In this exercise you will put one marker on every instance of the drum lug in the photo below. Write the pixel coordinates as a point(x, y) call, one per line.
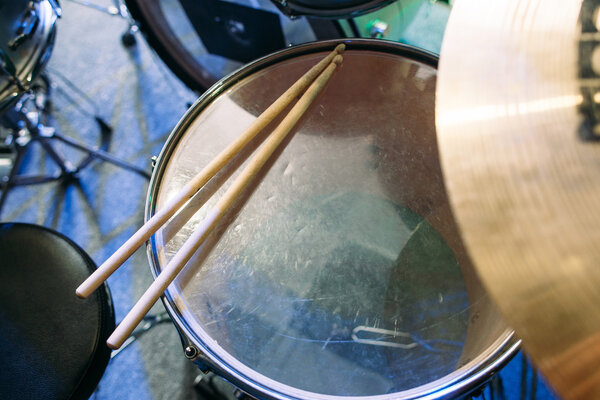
point(153, 162)
point(193, 354)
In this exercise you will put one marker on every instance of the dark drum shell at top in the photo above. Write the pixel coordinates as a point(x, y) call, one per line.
point(329, 8)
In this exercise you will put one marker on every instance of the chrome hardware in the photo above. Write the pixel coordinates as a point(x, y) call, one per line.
point(190, 352)
point(377, 28)
point(56, 7)
point(28, 25)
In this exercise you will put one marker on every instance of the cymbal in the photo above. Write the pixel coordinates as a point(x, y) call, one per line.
point(523, 181)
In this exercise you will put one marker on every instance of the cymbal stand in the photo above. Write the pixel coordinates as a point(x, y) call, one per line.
point(23, 122)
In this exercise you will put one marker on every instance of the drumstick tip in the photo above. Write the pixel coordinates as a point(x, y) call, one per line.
point(340, 48)
point(337, 59)
point(111, 345)
point(81, 293)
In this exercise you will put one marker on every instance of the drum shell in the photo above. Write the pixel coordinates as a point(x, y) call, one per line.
point(474, 374)
point(329, 9)
point(30, 57)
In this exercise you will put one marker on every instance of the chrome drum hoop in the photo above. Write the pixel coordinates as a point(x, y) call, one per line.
point(335, 9)
point(471, 377)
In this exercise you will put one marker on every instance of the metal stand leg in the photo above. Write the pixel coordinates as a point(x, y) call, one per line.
point(97, 153)
point(43, 134)
point(526, 367)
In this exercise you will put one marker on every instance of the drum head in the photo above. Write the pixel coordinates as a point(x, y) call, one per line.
point(340, 273)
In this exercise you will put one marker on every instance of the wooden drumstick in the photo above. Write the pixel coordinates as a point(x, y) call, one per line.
point(174, 204)
point(186, 251)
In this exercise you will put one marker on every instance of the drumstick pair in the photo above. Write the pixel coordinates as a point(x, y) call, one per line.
point(316, 77)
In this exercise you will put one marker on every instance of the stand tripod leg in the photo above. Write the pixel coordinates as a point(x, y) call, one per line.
point(95, 153)
point(65, 166)
point(41, 134)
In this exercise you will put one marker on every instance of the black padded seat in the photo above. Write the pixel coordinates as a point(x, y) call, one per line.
point(52, 343)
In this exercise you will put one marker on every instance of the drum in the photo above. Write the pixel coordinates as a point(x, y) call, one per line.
point(340, 273)
point(27, 32)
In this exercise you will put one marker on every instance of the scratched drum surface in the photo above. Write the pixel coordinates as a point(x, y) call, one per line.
point(340, 271)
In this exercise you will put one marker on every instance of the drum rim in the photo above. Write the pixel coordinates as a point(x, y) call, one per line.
point(293, 9)
point(468, 380)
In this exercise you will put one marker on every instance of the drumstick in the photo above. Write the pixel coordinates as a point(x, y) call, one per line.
point(168, 274)
point(167, 211)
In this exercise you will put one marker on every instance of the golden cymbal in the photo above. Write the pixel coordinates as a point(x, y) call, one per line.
point(523, 183)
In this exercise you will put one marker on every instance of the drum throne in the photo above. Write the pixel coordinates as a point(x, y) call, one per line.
point(51, 342)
